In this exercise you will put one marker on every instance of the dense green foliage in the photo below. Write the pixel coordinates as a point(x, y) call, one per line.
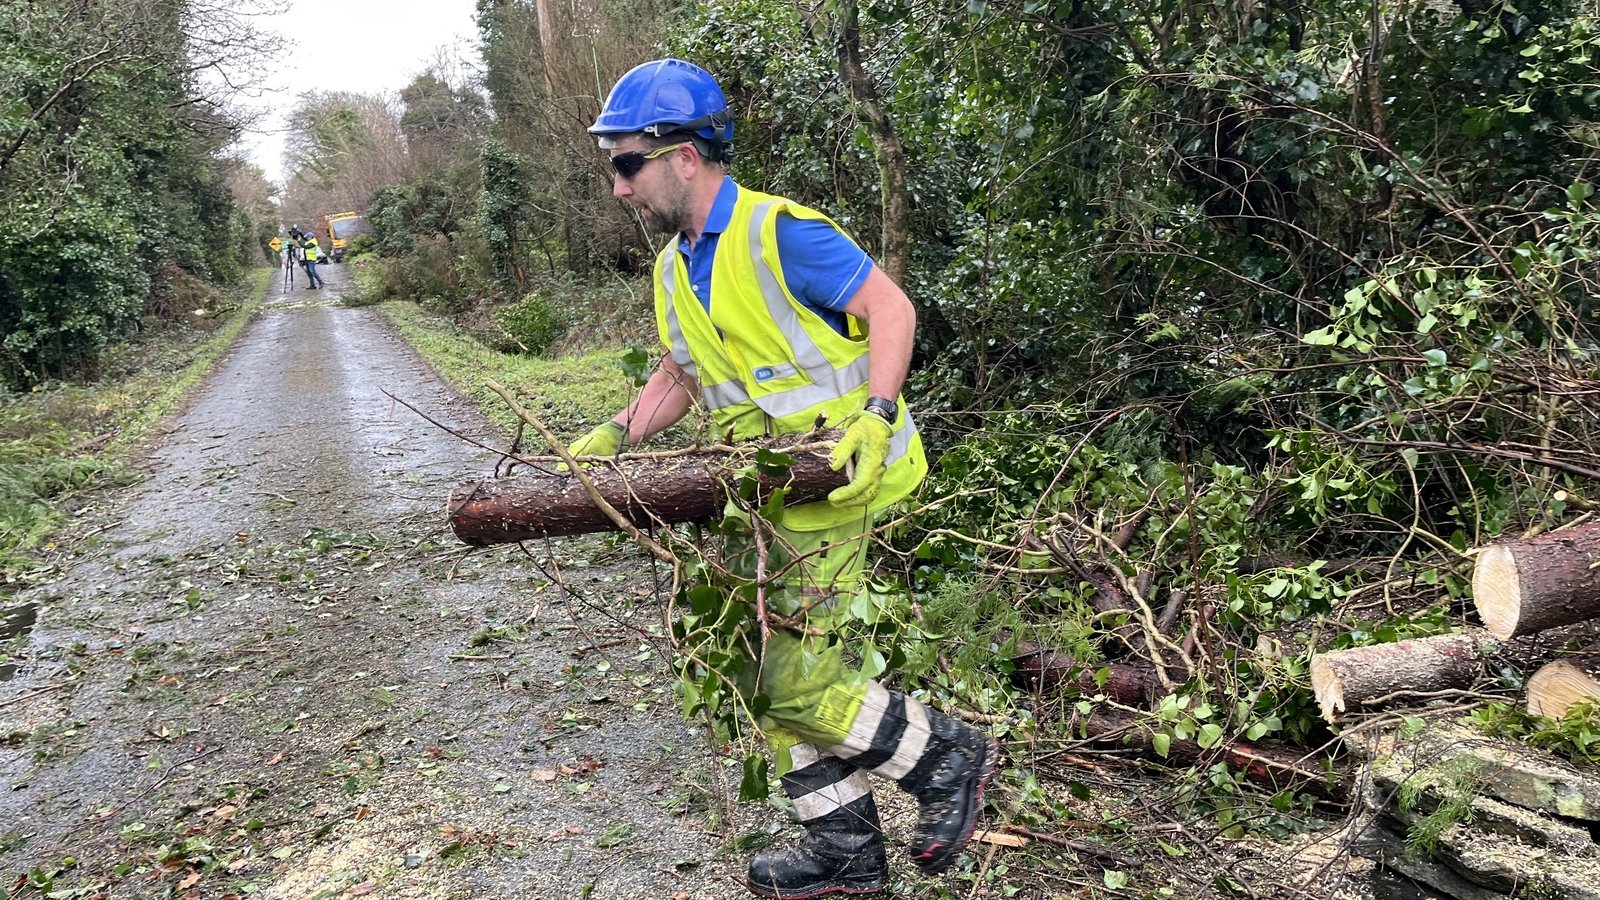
point(1260, 315)
point(114, 198)
point(1266, 283)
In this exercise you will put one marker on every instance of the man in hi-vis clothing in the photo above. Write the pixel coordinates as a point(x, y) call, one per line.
point(762, 305)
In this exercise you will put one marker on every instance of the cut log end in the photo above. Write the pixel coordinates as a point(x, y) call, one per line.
point(1329, 691)
point(1497, 591)
point(1557, 686)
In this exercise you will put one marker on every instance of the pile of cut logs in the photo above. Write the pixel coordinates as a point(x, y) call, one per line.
point(1471, 817)
point(1539, 601)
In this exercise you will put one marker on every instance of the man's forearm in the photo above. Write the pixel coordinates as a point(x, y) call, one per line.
point(665, 399)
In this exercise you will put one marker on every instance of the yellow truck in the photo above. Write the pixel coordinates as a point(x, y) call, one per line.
point(339, 228)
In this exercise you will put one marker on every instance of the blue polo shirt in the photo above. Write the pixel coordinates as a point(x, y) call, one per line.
point(822, 266)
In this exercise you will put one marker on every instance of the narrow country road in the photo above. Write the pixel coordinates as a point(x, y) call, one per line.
point(274, 673)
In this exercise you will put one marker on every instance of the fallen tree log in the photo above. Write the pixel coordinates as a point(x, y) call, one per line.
point(1372, 677)
point(666, 488)
point(1558, 685)
point(1044, 671)
point(1520, 587)
point(1271, 766)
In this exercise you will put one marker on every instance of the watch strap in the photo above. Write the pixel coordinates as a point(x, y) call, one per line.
point(888, 410)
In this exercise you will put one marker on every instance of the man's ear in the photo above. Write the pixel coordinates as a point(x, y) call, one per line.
point(687, 158)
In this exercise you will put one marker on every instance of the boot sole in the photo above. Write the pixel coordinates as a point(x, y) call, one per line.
point(937, 858)
point(815, 891)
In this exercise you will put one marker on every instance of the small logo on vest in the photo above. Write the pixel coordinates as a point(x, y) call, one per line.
point(767, 373)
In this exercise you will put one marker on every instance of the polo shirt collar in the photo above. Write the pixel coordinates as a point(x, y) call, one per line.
point(720, 215)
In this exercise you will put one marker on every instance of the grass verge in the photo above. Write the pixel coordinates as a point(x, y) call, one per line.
point(569, 394)
point(58, 440)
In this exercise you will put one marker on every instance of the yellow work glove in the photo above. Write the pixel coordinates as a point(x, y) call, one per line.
point(866, 440)
point(605, 440)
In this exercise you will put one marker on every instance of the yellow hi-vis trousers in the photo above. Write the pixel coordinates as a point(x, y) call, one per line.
point(814, 692)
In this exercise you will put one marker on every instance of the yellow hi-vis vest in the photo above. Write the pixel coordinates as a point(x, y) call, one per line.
point(764, 362)
point(313, 250)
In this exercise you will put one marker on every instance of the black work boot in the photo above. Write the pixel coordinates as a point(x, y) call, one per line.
point(842, 852)
point(948, 781)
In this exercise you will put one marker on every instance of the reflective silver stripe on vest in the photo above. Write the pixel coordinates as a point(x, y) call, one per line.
point(680, 347)
point(724, 394)
point(900, 441)
point(806, 352)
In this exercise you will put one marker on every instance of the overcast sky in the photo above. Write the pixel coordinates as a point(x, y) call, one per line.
point(366, 46)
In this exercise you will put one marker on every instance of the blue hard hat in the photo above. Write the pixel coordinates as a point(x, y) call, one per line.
point(664, 96)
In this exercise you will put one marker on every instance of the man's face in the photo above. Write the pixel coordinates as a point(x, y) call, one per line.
point(658, 191)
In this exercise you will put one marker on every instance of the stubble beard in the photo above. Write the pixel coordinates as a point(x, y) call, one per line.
point(672, 215)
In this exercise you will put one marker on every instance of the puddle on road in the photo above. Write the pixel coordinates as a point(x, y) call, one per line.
point(15, 622)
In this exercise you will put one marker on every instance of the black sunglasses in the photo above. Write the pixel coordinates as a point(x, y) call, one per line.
point(628, 165)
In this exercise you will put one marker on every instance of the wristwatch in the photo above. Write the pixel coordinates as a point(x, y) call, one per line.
point(888, 410)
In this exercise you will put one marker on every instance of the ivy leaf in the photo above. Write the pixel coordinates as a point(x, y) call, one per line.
point(1210, 733)
point(1435, 357)
point(754, 785)
point(636, 365)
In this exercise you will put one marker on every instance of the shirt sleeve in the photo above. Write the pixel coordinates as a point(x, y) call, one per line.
point(822, 266)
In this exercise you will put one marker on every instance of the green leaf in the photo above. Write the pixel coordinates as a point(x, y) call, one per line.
point(1435, 357)
point(754, 785)
point(1210, 733)
point(1162, 744)
point(636, 365)
point(1322, 337)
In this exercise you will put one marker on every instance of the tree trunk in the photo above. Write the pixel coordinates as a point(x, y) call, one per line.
point(895, 254)
point(662, 488)
point(1372, 677)
point(1046, 671)
point(547, 46)
point(1265, 765)
point(1558, 685)
point(1368, 676)
point(1520, 587)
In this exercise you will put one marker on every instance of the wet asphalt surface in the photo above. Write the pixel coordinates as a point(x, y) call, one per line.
point(268, 670)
